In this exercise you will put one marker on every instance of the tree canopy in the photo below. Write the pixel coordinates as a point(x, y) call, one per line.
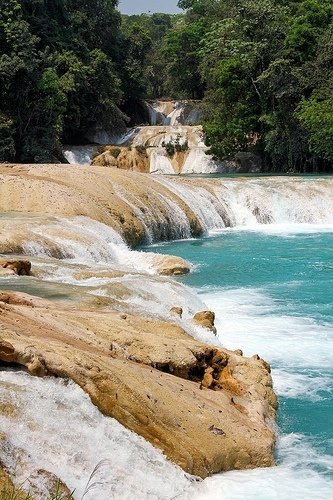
point(263, 70)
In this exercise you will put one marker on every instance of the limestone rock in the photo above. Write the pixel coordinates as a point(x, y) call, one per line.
point(134, 158)
point(106, 159)
point(111, 196)
point(170, 265)
point(153, 378)
point(125, 158)
point(20, 267)
point(206, 319)
point(177, 310)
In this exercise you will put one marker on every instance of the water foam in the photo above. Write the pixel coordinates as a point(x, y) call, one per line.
point(295, 479)
point(259, 326)
point(69, 437)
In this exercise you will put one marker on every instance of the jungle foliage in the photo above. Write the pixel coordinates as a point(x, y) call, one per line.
point(266, 72)
point(263, 70)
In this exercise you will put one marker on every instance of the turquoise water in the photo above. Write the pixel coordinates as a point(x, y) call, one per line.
point(272, 292)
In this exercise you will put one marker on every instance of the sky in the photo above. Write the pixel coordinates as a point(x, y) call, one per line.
point(139, 6)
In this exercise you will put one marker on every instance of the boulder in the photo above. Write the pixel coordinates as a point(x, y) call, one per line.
point(170, 265)
point(206, 319)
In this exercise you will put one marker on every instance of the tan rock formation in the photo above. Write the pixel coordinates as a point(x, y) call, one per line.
point(152, 377)
point(177, 310)
point(206, 319)
point(126, 158)
point(20, 267)
point(135, 159)
point(169, 265)
point(105, 159)
point(117, 198)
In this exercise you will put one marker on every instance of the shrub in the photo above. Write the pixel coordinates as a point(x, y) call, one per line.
point(115, 152)
point(141, 149)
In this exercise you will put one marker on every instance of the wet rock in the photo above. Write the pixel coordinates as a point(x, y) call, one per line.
point(172, 266)
point(206, 319)
point(45, 484)
point(177, 310)
point(159, 359)
point(20, 267)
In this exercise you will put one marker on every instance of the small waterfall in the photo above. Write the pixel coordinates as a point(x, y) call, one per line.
point(279, 200)
point(83, 155)
point(193, 157)
point(167, 208)
point(79, 238)
point(102, 137)
point(256, 202)
point(80, 155)
point(173, 113)
point(163, 219)
point(173, 123)
point(69, 437)
point(208, 206)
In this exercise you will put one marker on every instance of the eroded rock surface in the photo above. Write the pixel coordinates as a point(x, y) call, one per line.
point(125, 201)
point(170, 265)
point(12, 266)
point(206, 319)
point(208, 409)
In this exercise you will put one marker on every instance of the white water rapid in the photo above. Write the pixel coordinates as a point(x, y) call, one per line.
point(246, 202)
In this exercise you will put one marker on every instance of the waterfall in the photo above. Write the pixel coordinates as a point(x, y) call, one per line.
point(246, 202)
point(79, 155)
point(159, 208)
point(76, 441)
point(162, 220)
point(170, 123)
point(173, 113)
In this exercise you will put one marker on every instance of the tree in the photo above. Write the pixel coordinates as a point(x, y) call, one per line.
point(58, 80)
point(181, 52)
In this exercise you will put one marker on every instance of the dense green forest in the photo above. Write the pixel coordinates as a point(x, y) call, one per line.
point(262, 70)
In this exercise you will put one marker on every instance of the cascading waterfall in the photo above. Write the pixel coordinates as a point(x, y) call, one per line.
point(247, 202)
point(173, 122)
point(161, 222)
point(78, 256)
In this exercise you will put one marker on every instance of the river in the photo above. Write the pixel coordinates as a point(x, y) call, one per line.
point(264, 265)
